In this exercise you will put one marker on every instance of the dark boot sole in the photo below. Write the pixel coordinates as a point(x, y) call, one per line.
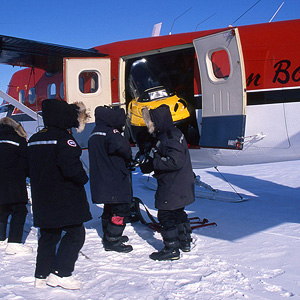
point(122, 251)
point(157, 259)
point(185, 250)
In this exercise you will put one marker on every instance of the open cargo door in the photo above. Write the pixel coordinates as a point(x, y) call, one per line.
point(87, 80)
point(223, 84)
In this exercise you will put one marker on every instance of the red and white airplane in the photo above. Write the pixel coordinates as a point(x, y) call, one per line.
point(241, 86)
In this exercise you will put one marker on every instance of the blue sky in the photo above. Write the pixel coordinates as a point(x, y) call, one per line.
point(85, 24)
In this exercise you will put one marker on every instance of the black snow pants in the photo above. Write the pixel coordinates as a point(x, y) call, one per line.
point(114, 219)
point(118, 209)
point(18, 212)
point(169, 219)
point(61, 261)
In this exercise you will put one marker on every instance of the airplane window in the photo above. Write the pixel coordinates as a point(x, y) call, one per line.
point(61, 91)
point(22, 96)
point(51, 91)
point(31, 96)
point(89, 82)
point(220, 64)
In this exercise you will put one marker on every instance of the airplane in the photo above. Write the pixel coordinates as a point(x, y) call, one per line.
point(236, 90)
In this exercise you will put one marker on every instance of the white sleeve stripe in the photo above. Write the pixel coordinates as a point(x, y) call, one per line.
point(98, 133)
point(42, 143)
point(181, 139)
point(9, 142)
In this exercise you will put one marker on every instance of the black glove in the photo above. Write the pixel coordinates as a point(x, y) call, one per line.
point(145, 162)
point(140, 158)
point(147, 166)
point(131, 165)
point(152, 152)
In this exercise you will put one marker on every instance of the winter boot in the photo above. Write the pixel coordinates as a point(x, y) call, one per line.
point(3, 243)
point(184, 235)
point(113, 239)
point(171, 249)
point(69, 283)
point(105, 221)
point(40, 283)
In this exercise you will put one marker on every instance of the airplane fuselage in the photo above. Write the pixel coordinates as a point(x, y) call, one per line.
point(243, 85)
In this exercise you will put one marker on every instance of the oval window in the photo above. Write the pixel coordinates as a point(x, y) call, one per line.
point(22, 96)
point(51, 91)
point(62, 91)
point(31, 96)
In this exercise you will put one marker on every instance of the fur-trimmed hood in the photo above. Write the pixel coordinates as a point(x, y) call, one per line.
point(157, 120)
point(83, 115)
point(15, 125)
point(60, 114)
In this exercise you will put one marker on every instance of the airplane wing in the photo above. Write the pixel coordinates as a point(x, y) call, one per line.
point(49, 57)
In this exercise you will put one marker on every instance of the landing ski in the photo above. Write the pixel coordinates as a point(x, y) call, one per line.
point(218, 195)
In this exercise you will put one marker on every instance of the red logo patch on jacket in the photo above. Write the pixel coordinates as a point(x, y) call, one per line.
point(71, 143)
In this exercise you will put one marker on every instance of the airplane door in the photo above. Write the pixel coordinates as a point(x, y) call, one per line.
point(88, 80)
point(223, 84)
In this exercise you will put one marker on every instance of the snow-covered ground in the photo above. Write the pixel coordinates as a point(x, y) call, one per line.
point(251, 254)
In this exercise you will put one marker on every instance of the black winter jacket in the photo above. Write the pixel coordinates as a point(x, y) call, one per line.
point(56, 173)
point(172, 164)
point(108, 153)
point(13, 163)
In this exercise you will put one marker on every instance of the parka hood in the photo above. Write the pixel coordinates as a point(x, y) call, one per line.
point(60, 114)
point(113, 117)
point(158, 120)
point(15, 125)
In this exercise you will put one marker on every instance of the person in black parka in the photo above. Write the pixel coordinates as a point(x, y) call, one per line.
point(13, 191)
point(175, 178)
point(59, 200)
point(109, 152)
